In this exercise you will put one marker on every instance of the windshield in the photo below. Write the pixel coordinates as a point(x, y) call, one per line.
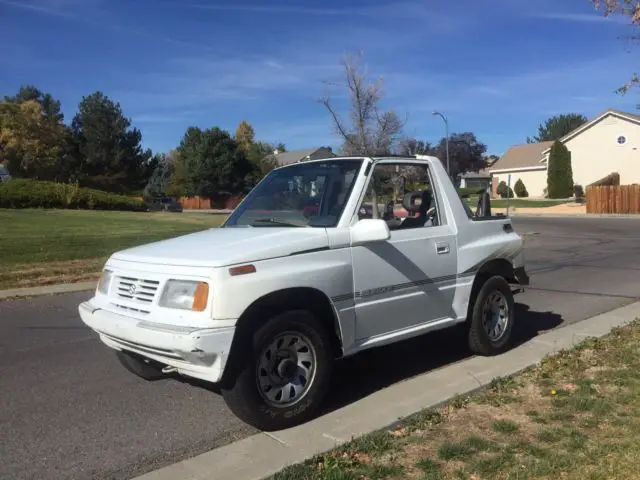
point(311, 194)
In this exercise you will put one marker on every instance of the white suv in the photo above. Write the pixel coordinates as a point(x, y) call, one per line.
point(300, 275)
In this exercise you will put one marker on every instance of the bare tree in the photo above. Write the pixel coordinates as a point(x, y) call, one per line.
point(369, 130)
point(631, 10)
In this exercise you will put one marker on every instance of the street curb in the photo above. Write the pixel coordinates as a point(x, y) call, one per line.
point(264, 454)
point(47, 290)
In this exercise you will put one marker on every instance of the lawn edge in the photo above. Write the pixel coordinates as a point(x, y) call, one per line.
point(262, 455)
point(29, 292)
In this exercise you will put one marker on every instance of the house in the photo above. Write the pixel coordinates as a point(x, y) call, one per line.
point(4, 174)
point(608, 143)
point(481, 179)
point(295, 156)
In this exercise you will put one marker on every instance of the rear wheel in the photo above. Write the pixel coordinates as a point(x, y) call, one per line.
point(492, 318)
point(283, 376)
point(142, 367)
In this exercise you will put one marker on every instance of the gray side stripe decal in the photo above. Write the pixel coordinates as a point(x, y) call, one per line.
point(508, 253)
point(397, 287)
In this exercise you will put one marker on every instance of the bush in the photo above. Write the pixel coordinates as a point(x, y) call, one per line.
point(610, 180)
point(559, 172)
point(578, 193)
point(504, 190)
point(520, 189)
point(22, 193)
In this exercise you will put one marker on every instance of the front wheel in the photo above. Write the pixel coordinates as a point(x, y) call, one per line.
point(284, 375)
point(492, 318)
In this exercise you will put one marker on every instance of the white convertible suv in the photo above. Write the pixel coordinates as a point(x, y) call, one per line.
point(307, 269)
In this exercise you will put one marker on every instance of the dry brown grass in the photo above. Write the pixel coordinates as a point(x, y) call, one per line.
point(574, 416)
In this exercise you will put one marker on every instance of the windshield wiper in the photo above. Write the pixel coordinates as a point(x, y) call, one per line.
point(273, 221)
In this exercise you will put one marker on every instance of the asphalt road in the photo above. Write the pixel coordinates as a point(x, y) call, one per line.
point(69, 410)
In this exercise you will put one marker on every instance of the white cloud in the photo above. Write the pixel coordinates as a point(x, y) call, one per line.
point(577, 17)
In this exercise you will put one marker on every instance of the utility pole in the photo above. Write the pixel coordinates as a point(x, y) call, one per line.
point(446, 130)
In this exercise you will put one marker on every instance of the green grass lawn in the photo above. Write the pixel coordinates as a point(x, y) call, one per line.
point(576, 415)
point(40, 247)
point(519, 203)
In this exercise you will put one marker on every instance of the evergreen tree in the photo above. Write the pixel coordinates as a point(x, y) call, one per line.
point(559, 172)
point(520, 189)
point(109, 150)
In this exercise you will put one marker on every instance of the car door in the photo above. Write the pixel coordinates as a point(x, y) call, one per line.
point(406, 281)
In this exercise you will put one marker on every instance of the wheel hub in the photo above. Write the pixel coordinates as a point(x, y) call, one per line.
point(496, 316)
point(286, 369)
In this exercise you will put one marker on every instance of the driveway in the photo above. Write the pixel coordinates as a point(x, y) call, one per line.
point(68, 409)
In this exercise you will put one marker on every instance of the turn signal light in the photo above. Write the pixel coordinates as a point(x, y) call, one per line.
point(200, 297)
point(242, 270)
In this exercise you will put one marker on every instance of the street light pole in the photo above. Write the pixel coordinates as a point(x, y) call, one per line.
point(446, 129)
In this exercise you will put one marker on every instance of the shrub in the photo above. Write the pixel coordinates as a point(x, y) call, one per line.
point(559, 172)
point(504, 190)
point(23, 193)
point(609, 180)
point(520, 189)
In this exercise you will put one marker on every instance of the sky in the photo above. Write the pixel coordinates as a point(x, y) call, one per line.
point(497, 68)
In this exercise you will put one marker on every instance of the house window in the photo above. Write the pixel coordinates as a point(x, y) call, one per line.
point(622, 140)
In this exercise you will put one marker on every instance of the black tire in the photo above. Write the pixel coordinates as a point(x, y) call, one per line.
point(140, 366)
point(241, 393)
point(480, 342)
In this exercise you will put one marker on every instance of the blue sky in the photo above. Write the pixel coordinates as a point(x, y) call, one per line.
point(497, 68)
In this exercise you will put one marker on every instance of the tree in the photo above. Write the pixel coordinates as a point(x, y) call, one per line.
point(520, 189)
point(559, 172)
point(51, 108)
point(177, 185)
point(557, 127)
point(33, 144)
point(214, 162)
point(158, 183)
point(631, 10)
point(411, 146)
point(466, 153)
point(245, 136)
point(504, 190)
point(262, 159)
point(370, 130)
point(109, 150)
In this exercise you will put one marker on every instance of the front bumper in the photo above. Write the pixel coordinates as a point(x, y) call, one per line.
point(194, 352)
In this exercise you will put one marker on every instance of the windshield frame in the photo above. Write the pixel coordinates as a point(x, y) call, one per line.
point(231, 220)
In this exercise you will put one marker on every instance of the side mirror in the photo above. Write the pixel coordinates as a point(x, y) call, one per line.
point(369, 230)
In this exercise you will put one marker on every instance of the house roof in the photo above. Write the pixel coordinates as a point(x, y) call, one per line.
point(521, 156)
point(611, 111)
point(287, 158)
point(481, 174)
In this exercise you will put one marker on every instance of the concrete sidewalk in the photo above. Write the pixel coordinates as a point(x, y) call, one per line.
point(262, 455)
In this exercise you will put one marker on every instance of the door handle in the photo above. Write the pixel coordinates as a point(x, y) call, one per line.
point(442, 248)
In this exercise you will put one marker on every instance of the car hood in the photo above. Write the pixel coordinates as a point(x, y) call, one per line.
point(227, 246)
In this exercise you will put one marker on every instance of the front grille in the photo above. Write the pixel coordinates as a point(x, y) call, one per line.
point(136, 289)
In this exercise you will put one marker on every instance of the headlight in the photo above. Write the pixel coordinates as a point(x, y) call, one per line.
point(105, 281)
point(185, 295)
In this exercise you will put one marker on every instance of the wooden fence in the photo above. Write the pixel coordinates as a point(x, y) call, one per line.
point(195, 203)
point(204, 203)
point(616, 199)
